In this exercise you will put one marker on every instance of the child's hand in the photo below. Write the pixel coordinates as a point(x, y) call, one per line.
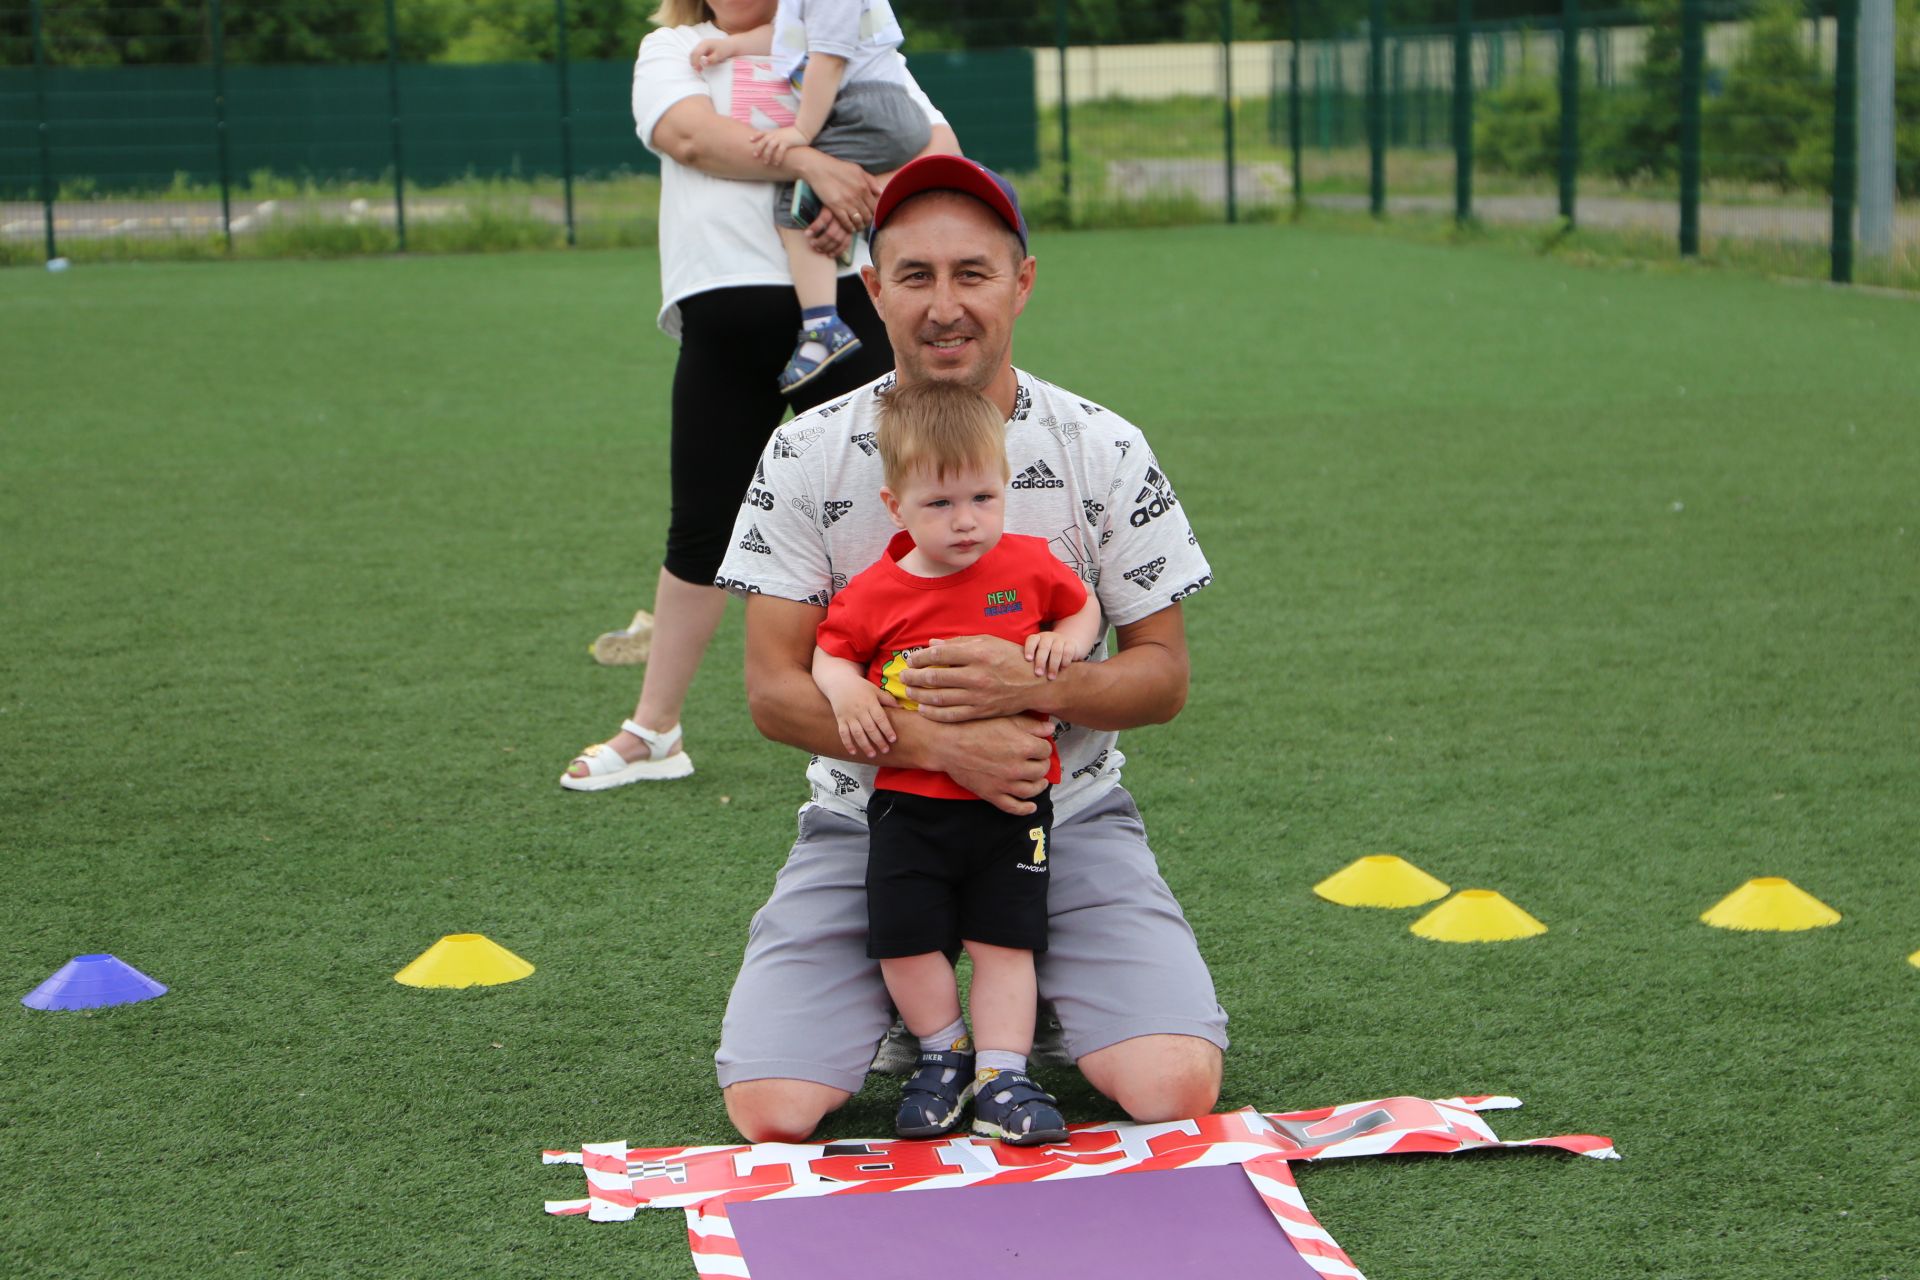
point(865, 728)
point(771, 147)
point(708, 52)
point(1049, 653)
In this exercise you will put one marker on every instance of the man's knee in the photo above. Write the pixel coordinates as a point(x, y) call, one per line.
point(1156, 1078)
point(779, 1110)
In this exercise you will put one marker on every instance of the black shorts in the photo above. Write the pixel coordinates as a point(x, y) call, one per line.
point(940, 872)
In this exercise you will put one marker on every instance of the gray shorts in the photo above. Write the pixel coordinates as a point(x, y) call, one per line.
point(1121, 960)
point(875, 124)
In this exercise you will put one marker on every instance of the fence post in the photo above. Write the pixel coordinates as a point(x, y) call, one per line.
point(1693, 48)
point(566, 108)
point(1877, 156)
point(1463, 112)
point(1377, 108)
point(1422, 100)
point(216, 22)
point(1846, 141)
point(1066, 143)
point(1273, 93)
point(1226, 101)
point(46, 142)
point(393, 105)
point(1569, 105)
point(1293, 100)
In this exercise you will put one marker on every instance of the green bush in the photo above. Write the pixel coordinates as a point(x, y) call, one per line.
point(1775, 108)
point(1517, 129)
point(1906, 98)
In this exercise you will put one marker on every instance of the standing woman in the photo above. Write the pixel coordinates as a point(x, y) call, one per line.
point(727, 295)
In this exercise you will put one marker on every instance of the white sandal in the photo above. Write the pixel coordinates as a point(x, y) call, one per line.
point(665, 758)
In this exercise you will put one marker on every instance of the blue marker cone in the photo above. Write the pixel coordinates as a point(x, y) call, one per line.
point(93, 982)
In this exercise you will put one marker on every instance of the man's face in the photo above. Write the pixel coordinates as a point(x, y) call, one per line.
point(948, 284)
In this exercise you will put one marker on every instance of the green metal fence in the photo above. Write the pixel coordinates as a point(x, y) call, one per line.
point(1766, 132)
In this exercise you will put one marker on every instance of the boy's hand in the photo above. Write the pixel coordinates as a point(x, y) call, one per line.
point(1048, 652)
point(771, 147)
point(708, 52)
point(865, 728)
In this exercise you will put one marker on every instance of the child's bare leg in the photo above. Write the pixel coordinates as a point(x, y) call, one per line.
point(1002, 999)
point(924, 992)
point(1008, 1104)
point(824, 336)
point(936, 1094)
point(813, 273)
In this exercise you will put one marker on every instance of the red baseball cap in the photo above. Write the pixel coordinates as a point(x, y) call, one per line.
point(952, 173)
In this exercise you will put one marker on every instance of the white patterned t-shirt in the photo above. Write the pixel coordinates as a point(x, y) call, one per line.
point(1083, 478)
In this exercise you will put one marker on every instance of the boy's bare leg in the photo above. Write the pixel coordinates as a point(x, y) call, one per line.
point(813, 273)
point(924, 991)
point(1002, 998)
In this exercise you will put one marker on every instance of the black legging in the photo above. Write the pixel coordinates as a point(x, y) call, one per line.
point(726, 403)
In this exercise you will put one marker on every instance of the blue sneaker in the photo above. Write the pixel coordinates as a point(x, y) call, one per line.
point(935, 1094)
point(834, 339)
point(1011, 1107)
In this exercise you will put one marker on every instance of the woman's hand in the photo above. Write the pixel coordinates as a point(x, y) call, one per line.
point(847, 191)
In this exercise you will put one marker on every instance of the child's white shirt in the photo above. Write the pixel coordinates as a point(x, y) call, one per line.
point(864, 32)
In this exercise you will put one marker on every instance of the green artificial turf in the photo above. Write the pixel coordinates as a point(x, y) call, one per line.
point(1594, 587)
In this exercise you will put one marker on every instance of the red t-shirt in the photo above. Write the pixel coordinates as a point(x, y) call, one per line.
point(886, 613)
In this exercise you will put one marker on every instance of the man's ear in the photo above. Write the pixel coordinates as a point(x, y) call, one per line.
point(870, 277)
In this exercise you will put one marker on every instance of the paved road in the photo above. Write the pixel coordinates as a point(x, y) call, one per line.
point(1258, 183)
point(1268, 182)
point(105, 219)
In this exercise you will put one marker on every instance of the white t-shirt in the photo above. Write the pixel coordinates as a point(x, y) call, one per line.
point(864, 32)
point(1083, 478)
point(718, 232)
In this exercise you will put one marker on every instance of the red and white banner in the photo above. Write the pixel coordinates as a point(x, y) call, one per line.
point(704, 1180)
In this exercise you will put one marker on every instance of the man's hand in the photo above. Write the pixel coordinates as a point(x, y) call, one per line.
point(1004, 762)
point(972, 678)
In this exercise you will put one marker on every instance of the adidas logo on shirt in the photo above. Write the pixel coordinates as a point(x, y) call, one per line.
point(832, 510)
point(1038, 476)
point(1147, 574)
point(1155, 499)
point(754, 542)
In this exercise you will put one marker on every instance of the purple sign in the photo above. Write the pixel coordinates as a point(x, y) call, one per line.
point(1174, 1222)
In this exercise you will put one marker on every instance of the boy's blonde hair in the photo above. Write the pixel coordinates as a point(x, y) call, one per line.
point(681, 13)
point(937, 429)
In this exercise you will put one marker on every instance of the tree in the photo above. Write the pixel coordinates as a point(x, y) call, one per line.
point(1635, 131)
point(1200, 20)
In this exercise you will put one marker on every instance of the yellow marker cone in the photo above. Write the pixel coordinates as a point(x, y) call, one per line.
point(1914, 959)
point(464, 960)
point(1380, 880)
point(1477, 915)
point(1770, 902)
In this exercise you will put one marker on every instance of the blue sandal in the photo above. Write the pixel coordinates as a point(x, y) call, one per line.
point(837, 339)
point(1012, 1108)
point(935, 1095)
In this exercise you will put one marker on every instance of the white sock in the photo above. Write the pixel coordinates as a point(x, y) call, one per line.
point(947, 1037)
point(998, 1060)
